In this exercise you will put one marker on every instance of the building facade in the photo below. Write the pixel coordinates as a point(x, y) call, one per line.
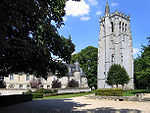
point(22, 80)
point(115, 46)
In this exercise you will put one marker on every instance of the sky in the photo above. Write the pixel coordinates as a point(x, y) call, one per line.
point(82, 21)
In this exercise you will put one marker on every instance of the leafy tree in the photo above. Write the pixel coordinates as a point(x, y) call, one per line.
point(35, 83)
point(56, 84)
point(88, 62)
point(2, 84)
point(142, 68)
point(73, 83)
point(28, 39)
point(117, 75)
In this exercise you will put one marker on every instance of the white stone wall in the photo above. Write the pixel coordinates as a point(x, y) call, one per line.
point(20, 81)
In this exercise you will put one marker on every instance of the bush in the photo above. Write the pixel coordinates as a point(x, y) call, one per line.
point(47, 91)
point(73, 83)
point(109, 92)
point(2, 84)
point(56, 84)
point(28, 92)
point(37, 95)
point(42, 90)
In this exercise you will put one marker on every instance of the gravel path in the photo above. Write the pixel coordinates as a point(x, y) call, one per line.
point(78, 105)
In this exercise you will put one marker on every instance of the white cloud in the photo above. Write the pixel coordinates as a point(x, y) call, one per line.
point(65, 18)
point(98, 12)
point(75, 8)
point(114, 4)
point(93, 2)
point(85, 18)
point(135, 51)
point(74, 53)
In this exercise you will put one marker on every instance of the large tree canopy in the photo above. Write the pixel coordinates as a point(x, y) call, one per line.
point(142, 68)
point(88, 62)
point(28, 39)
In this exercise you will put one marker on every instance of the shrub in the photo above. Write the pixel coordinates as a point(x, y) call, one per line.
point(56, 84)
point(109, 92)
point(42, 90)
point(47, 91)
point(2, 84)
point(28, 92)
point(73, 83)
point(37, 95)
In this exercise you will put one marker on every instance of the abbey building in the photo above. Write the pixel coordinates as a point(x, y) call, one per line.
point(115, 46)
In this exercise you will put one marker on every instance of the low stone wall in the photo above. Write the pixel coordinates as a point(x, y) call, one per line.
point(60, 91)
point(12, 91)
point(120, 98)
point(7, 100)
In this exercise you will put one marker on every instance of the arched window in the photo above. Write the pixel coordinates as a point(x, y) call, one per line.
point(122, 27)
point(28, 86)
point(112, 27)
point(125, 27)
point(48, 86)
point(112, 58)
point(41, 86)
point(11, 86)
point(20, 86)
point(104, 28)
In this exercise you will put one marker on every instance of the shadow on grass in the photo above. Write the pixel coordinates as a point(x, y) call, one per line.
point(59, 106)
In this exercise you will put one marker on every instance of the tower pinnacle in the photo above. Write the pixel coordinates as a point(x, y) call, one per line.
point(107, 10)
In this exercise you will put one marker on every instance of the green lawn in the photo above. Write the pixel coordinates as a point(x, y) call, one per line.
point(132, 92)
point(67, 95)
point(125, 93)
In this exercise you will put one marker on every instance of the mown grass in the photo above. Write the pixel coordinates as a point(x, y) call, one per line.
point(62, 96)
point(133, 92)
point(125, 93)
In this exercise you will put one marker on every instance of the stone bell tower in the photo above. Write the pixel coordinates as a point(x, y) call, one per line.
point(115, 46)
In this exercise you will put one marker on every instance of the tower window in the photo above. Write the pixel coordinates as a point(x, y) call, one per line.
point(112, 58)
point(122, 26)
point(125, 27)
point(119, 25)
point(112, 27)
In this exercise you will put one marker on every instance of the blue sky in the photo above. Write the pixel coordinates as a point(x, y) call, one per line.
point(82, 21)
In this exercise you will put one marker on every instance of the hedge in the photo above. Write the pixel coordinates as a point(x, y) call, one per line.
point(42, 90)
point(37, 95)
point(109, 92)
point(7, 100)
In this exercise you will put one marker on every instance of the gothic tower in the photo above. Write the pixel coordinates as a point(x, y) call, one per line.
point(115, 46)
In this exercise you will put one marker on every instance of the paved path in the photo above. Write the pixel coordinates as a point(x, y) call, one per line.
point(78, 105)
